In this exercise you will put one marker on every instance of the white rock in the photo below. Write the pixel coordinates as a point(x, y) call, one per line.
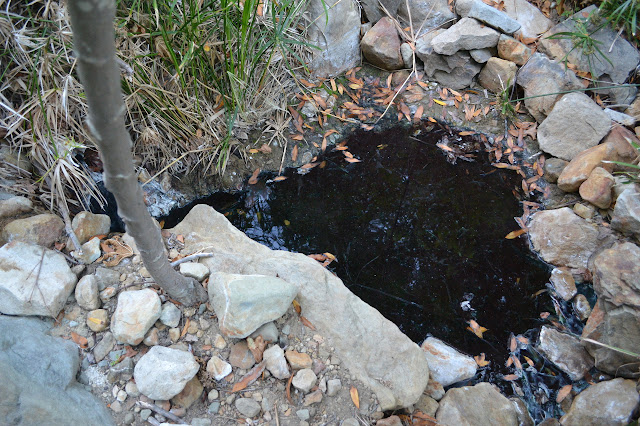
point(170, 315)
point(14, 206)
point(333, 387)
point(87, 293)
point(304, 380)
point(135, 314)
point(90, 252)
point(447, 365)
point(194, 270)
point(276, 363)
point(162, 372)
point(218, 368)
point(87, 225)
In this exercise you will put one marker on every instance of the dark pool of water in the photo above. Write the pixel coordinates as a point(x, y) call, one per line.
point(414, 235)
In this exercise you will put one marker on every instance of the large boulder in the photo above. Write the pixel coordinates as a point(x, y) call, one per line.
point(497, 75)
point(42, 229)
point(381, 45)
point(33, 280)
point(446, 365)
point(481, 404)
point(612, 402)
point(373, 349)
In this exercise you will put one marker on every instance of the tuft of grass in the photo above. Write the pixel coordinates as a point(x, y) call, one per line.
point(622, 14)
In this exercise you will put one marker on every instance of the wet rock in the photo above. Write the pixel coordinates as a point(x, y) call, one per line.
point(610, 402)
point(104, 346)
point(336, 32)
point(15, 206)
point(247, 407)
point(218, 368)
point(90, 252)
point(626, 214)
point(190, 394)
point(87, 225)
point(381, 45)
point(37, 378)
point(241, 356)
point(304, 380)
point(447, 365)
point(430, 13)
point(576, 123)
point(23, 292)
point(194, 270)
point(482, 12)
point(170, 315)
point(374, 12)
point(566, 352)
point(597, 188)
point(333, 387)
point(481, 404)
point(532, 21)
point(581, 166)
point(268, 331)
point(162, 373)
point(276, 363)
point(541, 76)
point(98, 320)
point(87, 293)
point(512, 50)
point(245, 302)
point(43, 230)
point(616, 274)
point(581, 307)
point(563, 238)
point(466, 34)
point(563, 283)
point(397, 374)
point(497, 74)
point(135, 314)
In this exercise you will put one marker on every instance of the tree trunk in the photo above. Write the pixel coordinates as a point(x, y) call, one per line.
point(92, 23)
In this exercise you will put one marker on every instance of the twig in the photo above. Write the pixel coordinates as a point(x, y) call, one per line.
point(160, 411)
point(275, 410)
point(153, 421)
point(190, 258)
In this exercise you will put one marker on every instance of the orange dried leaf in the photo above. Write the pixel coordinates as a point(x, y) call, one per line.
point(466, 133)
point(309, 165)
point(289, 389)
point(279, 178)
point(523, 340)
point(352, 160)
point(418, 115)
point(515, 234)
point(185, 328)
point(254, 177)
point(481, 361)
point(354, 396)
point(333, 85)
point(294, 153)
point(79, 340)
point(297, 137)
point(249, 378)
point(476, 328)
point(256, 346)
point(307, 323)
point(529, 361)
point(513, 345)
point(296, 305)
point(563, 393)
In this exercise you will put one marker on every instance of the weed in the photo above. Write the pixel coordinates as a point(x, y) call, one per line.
point(632, 170)
point(621, 14)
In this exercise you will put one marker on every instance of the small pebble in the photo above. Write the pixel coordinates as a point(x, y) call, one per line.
point(116, 406)
point(129, 418)
point(213, 395)
point(144, 414)
point(214, 407)
point(122, 395)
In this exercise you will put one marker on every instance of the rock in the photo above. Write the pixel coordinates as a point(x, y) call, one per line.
point(434, 390)
point(135, 314)
point(407, 55)
point(132, 389)
point(481, 404)
point(512, 50)
point(481, 56)
point(194, 270)
point(174, 334)
point(541, 76)
point(610, 402)
point(620, 139)
point(190, 394)
point(381, 45)
point(268, 331)
point(245, 302)
point(247, 407)
point(152, 338)
point(297, 360)
point(553, 168)
point(218, 368)
point(170, 315)
point(427, 14)
point(563, 238)
point(90, 252)
point(276, 363)
point(597, 188)
point(201, 421)
point(336, 32)
point(23, 292)
point(455, 71)
point(87, 225)
point(497, 74)
point(304, 380)
point(626, 214)
point(104, 346)
point(120, 371)
point(524, 418)
point(107, 294)
point(162, 373)
point(303, 414)
point(427, 405)
point(634, 109)
point(333, 387)
point(575, 124)
point(624, 119)
point(98, 320)
point(374, 12)
point(482, 12)
point(37, 378)
point(581, 307)
point(584, 211)
point(563, 283)
point(87, 293)
point(616, 274)
point(466, 34)
point(532, 21)
point(41, 229)
point(566, 352)
point(314, 397)
point(372, 348)
point(15, 206)
point(390, 421)
point(447, 365)
point(106, 277)
point(581, 166)
point(241, 356)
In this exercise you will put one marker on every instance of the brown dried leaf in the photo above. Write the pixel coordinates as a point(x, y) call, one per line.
point(296, 305)
point(265, 149)
point(476, 328)
point(354, 396)
point(418, 115)
point(254, 177)
point(352, 160)
point(515, 234)
point(249, 378)
point(513, 345)
point(79, 340)
point(256, 346)
point(185, 328)
point(307, 323)
point(297, 137)
point(294, 153)
point(563, 393)
point(481, 361)
point(510, 377)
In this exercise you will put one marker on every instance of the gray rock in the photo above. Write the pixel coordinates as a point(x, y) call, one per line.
point(381, 45)
point(481, 404)
point(581, 307)
point(624, 119)
point(170, 315)
point(605, 403)
point(247, 407)
point(144, 414)
point(407, 55)
point(374, 12)
point(575, 124)
point(553, 168)
point(425, 14)
point(616, 274)
point(303, 414)
point(481, 56)
point(87, 293)
point(371, 347)
point(532, 21)
point(201, 421)
point(43, 230)
point(104, 346)
point(524, 418)
point(268, 331)
point(245, 302)
point(427, 405)
point(37, 378)
point(336, 32)
point(132, 389)
point(626, 213)
point(466, 34)
point(121, 371)
point(563, 283)
point(484, 13)
point(542, 76)
point(435, 390)
point(276, 363)
point(447, 365)
point(23, 292)
point(304, 380)
point(455, 71)
point(563, 238)
point(15, 206)
point(497, 75)
point(106, 277)
point(162, 372)
point(87, 225)
point(90, 252)
point(194, 270)
point(135, 314)
point(566, 352)
point(333, 387)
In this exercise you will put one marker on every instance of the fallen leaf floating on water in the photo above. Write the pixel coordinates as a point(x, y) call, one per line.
point(481, 361)
point(254, 177)
point(515, 234)
point(510, 377)
point(544, 315)
point(79, 340)
point(476, 328)
point(279, 178)
point(352, 160)
point(354, 396)
point(294, 153)
point(513, 345)
point(563, 393)
point(522, 340)
point(249, 378)
point(529, 361)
